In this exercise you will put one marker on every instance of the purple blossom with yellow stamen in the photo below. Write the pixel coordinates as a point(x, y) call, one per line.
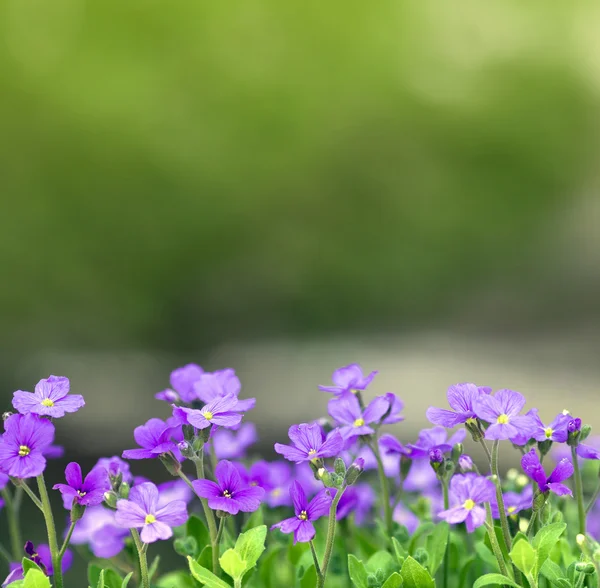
point(220, 412)
point(353, 421)
point(155, 438)
point(310, 443)
point(51, 398)
point(88, 492)
point(460, 398)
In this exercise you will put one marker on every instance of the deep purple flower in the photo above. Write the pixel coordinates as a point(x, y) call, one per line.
point(274, 478)
point(229, 493)
point(51, 398)
point(502, 412)
point(211, 386)
point(357, 500)
point(345, 409)
point(531, 465)
point(21, 449)
point(467, 492)
point(220, 412)
point(309, 443)
point(555, 431)
point(234, 445)
point(436, 455)
point(396, 406)
point(434, 438)
point(88, 492)
point(141, 511)
point(404, 516)
point(54, 452)
point(348, 378)
point(305, 513)
point(99, 530)
point(154, 438)
point(460, 398)
point(182, 384)
point(42, 557)
point(115, 466)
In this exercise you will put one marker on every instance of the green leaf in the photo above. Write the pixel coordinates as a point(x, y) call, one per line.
point(437, 543)
point(100, 580)
point(206, 576)
point(178, 579)
point(523, 556)
point(309, 579)
point(400, 552)
point(501, 543)
point(295, 552)
point(205, 557)
point(357, 571)
point(268, 566)
point(126, 580)
point(153, 567)
point(555, 574)
point(415, 575)
point(196, 528)
point(93, 574)
point(382, 560)
point(28, 564)
point(36, 579)
point(464, 572)
point(486, 555)
point(422, 530)
point(233, 564)
point(250, 545)
point(494, 580)
point(544, 541)
point(256, 519)
point(394, 581)
point(112, 579)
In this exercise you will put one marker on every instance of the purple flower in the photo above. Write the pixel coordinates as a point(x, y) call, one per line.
point(51, 398)
point(141, 511)
point(303, 473)
point(88, 492)
point(467, 492)
point(21, 449)
point(396, 407)
point(182, 384)
point(174, 490)
point(309, 443)
point(154, 438)
point(99, 529)
point(116, 466)
point(349, 377)
point(555, 431)
point(465, 463)
point(345, 409)
point(404, 516)
point(434, 438)
point(460, 398)
point(420, 477)
point(229, 493)
point(502, 412)
point(4, 480)
point(531, 465)
point(358, 500)
point(514, 502)
point(305, 513)
point(212, 386)
point(220, 412)
point(54, 452)
point(234, 445)
point(43, 558)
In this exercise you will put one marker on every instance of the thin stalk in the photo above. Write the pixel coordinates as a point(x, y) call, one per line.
point(315, 558)
point(447, 552)
point(142, 558)
point(531, 525)
point(594, 497)
point(51, 529)
point(330, 538)
point(578, 491)
point(14, 529)
point(385, 489)
point(67, 540)
point(33, 497)
point(499, 497)
point(220, 531)
point(5, 554)
point(489, 525)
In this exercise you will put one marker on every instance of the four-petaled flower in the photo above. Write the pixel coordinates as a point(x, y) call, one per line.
point(88, 492)
point(182, 384)
point(229, 493)
point(345, 409)
point(429, 439)
point(467, 493)
point(142, 511)
point(211, 386)
point(51, 398)
point(233, 444)
point(23, 443)
point(348, 378)
point(531, 465)
point(460, 398)
point(154, 438)
point(220, 412)
point(555, 431)
point(309, 443)
point(305, 513)
point(502, 412)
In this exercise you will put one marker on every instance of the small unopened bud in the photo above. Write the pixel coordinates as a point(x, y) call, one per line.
point(221, 514)
point(186, 546)
point(188, 432)
point(585, 567)
point(436, 458)
point(539, 502)
point(77, 511)
point(29, 548)
point(558, 517)
point(110, 498)
point(421, 556)
point(339, 466)
point(354, 471)
point(580, 539)
point(116, 480)
point(585, 432)
point(124, 490)
point(171, 396)
point(473, 426)
point(186, 449)
point(574, 431)
point(465, 463)
point(325, 477)
point(171, 464)
point(456, 452)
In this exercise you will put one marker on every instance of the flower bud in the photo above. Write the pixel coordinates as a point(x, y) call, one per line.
point(77, 511)
point(585, 567)
point(421, 556)
point(473, 426)
point(585, 432)
point(574, 431)
point(544, 446)
point(124, 490)
point(436, 458)
point(539, 502)
point(354, 471)
point(171, 396)
point(221, 514)
point(110, 498)
point(325, 477)
point(188, 432)
point(186, 450)
point(186, 546)
point(29, 548)
point(339, 466)
point(465, 463)
point(580, 539)
point(456, 452)
point(171, 464)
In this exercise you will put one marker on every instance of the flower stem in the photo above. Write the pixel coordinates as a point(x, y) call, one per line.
point(145, 580)
point(499, 497)
point(14, 529)
point(594, 497)
point(51, 529)
point(330, 538)
point(5, 554)
point(66, 541)
point(315, 558)
point(33, 497)
point(385, 489)
point(531, 525)
point(494, 541)
point(447, 552)
point(578, 491)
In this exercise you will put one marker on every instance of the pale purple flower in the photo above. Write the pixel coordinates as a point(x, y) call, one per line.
point(99, 530)
point(182, 384)
point(154, 438)
point(465, 463)
point(234, 444)
point(274, 478)
point(514, 502)
point(434, 438)
point(404, 516)
point(142, 511)
point(229, 493)
point(212, 386)
point(88, 492)
point(358, 500)
point(115, 466)
point(502, 412)
point(460, 398)
point(309, 443)
point(420, 477)
point(555, 431)
point(467, 493)
point(220, 412)
point(396, 406)
point(54, 452)
point(530, 463)
point(348, 378)
point(305, 513)
point(51, 398)
point(304, 475)
point(174, 490)
point(23, 443)
point(353, 421)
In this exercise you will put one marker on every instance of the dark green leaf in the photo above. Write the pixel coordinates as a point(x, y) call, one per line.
point(101, 579)
point(486, 555)
point(415, 575)
point(544, 541)
point(464, 572)
point(153, 567)
point(256, 519)
point(197, 529)
point(436, 546)
point(555, 574)
point(309, 579)
point(93, 574)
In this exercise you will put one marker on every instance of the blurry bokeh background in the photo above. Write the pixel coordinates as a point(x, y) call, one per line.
point(286, 189)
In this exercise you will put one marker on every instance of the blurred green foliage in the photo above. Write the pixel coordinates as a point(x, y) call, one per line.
point(179, 173)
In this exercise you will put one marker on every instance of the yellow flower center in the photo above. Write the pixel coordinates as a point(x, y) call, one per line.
point(471, 421)
point(469, 504)
point(208, 415)
point(80, 493)
point(226, 493)
point(24, 450)
point(303, 516)
point(47, 402)
point(355, 391)
point(548, 432)
point(502, 419)
point(312, 452)
point(276, 492)
point(150, 519)
point(253, 483)
point(359, 422)
point(511, 509)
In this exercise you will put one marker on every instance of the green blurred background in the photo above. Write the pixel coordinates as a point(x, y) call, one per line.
point(286, 188)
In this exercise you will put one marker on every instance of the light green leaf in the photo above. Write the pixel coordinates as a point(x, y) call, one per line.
point(415, 575)
point(494, 580)
point(544, 541)
point(486, 555)
point(100, 579)
point(250, 545)
point(394, 581)
point(206, 576)
point(28, 564)
point(436, 546)
point(382, 560)
point(153, 567)
point(178, 579)
point(126, 580)
point(233, 564)
point(400, 552)
point(358, 572)
point(464, 571)
point(93, 574)
point(555, 574)
point(36, 579)
point(523, 556)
